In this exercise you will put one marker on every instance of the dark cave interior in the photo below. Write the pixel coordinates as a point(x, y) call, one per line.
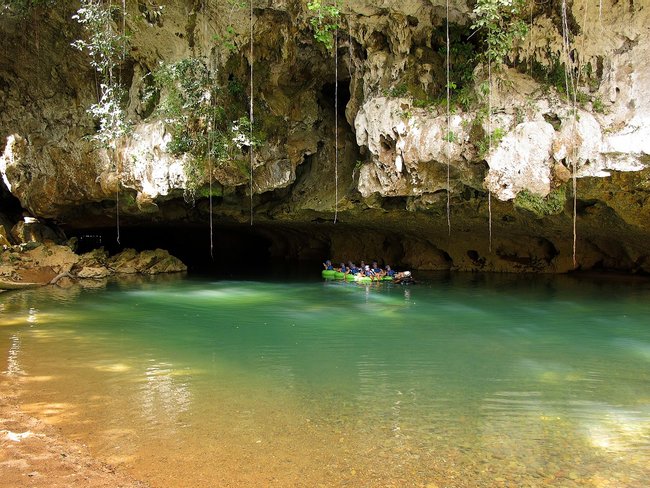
point(241, 251)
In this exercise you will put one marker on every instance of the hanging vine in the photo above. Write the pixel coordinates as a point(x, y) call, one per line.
point(571, 90)
point(107, 48)
point(208, 154)
point(325, 22)
point(251, 109)
point(448, 63)
point(336, 125)
point(500, 23)
point(325, 25)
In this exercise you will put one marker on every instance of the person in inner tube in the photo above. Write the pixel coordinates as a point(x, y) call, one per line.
point(402, 276)
point(327, 265)
point(371, 273)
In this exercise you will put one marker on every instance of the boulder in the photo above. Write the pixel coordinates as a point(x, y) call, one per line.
point(95, 258)
point(158, 261)
point(31, 230)
point(124, 262)
point(169, 264)
point(155, 261)
point(93, 272)
point(4, 237)
point(60, 258)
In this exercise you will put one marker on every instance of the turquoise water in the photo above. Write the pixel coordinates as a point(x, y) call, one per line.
point(462, 380)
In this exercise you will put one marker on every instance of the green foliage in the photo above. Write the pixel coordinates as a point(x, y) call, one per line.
point(497, 135)
point(465, 98)
point(555, 75)
point(421, 103)
point(106, 47)
point(150, 12)
point(462, 61)
point(188, 105)
point(228, 39)
point(22, 7)
point(325, 22)
point(450, 137)
point(204, 120)
point(500, 24)
point(397, 91)
point(237, 4)
point(483, 145)
point(552, 204)
point(597, 105)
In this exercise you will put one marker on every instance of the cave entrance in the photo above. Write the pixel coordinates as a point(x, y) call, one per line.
point(239, 252)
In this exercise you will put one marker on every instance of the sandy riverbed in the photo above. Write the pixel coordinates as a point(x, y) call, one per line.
point(35, 454)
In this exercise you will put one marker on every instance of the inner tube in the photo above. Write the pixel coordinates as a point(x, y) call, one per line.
point(349, 277)
point(363, 279)
point(387, 278)
point(328, 273)
point(339, 276)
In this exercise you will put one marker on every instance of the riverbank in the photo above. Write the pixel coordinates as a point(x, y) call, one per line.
point(35, 454)
point(39, 264)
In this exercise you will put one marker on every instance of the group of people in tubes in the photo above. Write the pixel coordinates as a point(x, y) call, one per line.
point(364, 272)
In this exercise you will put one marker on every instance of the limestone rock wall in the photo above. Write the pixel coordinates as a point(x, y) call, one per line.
point(396, 169)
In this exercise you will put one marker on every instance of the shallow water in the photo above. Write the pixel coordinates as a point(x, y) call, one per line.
point(462, 380)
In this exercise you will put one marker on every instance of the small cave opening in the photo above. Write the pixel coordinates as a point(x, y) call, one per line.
point(10, 206)
point(326, 99)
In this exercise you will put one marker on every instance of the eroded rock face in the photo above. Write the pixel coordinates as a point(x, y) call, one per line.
point(400, 161)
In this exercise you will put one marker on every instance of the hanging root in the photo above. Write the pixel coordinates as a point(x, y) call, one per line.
point(448, 128)
point(336, 125)
point(489, 148)
point(571, 89)
point(250, 112)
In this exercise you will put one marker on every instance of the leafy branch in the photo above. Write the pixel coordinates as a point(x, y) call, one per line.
point(205, 120)
point(325, 22)
point(501, 25)
point(106, 47)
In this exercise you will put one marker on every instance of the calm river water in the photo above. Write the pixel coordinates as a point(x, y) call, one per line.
point(459, 381)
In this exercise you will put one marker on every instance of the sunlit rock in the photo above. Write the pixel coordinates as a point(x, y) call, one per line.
point(522, 160)
point(93, 272)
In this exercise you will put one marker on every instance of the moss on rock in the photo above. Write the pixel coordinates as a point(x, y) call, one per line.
point(552, 204)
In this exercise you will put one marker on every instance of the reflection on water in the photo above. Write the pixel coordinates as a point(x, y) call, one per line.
point(165, 397)
point(13, 360)
point(463, 380)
